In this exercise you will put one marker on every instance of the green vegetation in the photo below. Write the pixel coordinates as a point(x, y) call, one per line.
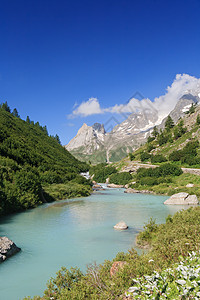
point(179, 282)
point(120, 178)
point(170, 245)
point(187, 154)
point(30, 161)
point(176, 143)
point(101, 172)
point(158, 158)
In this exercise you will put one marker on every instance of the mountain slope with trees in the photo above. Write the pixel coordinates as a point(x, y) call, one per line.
point(32, 163)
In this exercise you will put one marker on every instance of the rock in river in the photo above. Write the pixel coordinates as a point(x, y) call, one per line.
point(112, 185)
point(7, 248)
point(182, 199)
point(121, 226)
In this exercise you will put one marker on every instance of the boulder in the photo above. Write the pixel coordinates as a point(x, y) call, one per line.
point(121, 226)
point(182, 199)
point(7, 248)
point(131, 191)
point(116, 266)
point(97, 187)
point(189, 185)
point(112, 185)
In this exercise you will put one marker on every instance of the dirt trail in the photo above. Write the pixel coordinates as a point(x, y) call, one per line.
point(134, 166)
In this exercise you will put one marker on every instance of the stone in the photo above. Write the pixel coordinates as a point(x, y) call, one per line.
point(189, 185)
point(112, 185)
point(107, 180)
point(97, 187)
point(116, 266)
point(121, 226)
point(182, 199)
point(131, 191)
point(7, 248)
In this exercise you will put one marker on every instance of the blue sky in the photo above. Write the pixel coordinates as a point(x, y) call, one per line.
point(55, 54)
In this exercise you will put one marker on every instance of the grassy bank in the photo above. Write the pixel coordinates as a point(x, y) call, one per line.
point(175, 185)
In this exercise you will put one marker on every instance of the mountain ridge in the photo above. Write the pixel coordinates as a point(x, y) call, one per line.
point(126, 136)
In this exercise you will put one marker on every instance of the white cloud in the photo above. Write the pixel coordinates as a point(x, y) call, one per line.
point(87, 108)
point(182, 84)
point(163, 105)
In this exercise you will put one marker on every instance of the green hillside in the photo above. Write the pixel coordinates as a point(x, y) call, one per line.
point(32, 163)
point(174, 146)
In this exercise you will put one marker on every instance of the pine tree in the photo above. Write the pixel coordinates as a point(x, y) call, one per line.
point(198, 120)
point(15, 113)
point(45, 129)
point(5, 107)
point(169, 123)
point(57, 139)
point(192, 109)
point(28, 120)
point(154, 132)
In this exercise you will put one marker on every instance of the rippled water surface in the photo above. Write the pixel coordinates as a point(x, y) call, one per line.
point(72, 233)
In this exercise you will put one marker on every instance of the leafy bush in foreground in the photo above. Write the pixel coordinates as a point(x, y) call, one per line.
point(182, 281)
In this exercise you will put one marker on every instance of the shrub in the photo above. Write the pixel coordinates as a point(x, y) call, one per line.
point(166, 169)
point(158, 158)
point(163, 138)
point(120, 178)
point(150, 139)
point(131, 156)
point(169, 169)
point(144, 156)
point(150, 147)
point(176, 155)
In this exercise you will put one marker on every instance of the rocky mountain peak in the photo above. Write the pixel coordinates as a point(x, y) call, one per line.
point(89, 138)
point(99, 127)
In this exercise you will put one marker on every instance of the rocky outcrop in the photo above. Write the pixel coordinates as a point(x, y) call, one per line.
point(88, 139)
point(116, 266)
point(182, 199)
point(7, 248)
point(191, 171)
point(121, 226)
point(112, 185)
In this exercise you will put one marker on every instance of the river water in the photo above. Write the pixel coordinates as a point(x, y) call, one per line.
point(72, 233)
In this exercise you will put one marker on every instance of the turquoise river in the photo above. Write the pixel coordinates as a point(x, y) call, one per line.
point(72, 233)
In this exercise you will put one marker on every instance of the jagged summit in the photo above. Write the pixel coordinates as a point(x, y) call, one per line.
point(89, 138)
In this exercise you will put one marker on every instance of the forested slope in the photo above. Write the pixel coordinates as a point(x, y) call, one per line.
point(31, 162)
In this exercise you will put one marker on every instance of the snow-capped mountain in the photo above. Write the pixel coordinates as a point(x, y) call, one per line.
point(93, 143)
